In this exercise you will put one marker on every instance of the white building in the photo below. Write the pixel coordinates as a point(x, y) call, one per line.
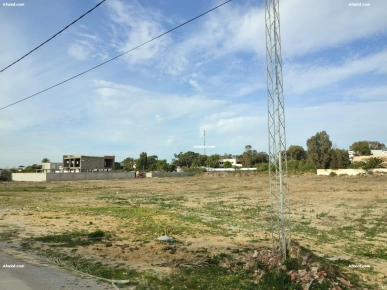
point(234, 162)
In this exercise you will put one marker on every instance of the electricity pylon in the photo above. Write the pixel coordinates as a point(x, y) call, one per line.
point(279, 191)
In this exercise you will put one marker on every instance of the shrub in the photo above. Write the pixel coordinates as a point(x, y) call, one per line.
point(332, 174)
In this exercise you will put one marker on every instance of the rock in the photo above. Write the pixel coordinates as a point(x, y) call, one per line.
point(164, 238)
point(314, 270)
point(305, 259)
point(255, 254)
point(302, 273)
point(345, 282)
point(321, 273)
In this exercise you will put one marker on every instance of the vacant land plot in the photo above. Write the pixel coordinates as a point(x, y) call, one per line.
point(110, 228)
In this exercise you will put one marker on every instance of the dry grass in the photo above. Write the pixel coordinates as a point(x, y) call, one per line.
point(207, 215)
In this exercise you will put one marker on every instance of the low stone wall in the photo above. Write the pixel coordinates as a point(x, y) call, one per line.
point(168, 174)
point(71, 176)
point(349, 171)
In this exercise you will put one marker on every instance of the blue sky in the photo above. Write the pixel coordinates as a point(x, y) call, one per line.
point(208, 75)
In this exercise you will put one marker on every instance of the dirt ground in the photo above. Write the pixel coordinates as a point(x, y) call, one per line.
point(207, 214)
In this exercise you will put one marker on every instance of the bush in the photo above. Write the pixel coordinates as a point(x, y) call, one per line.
point(5, 175)
point(332, 174)
point(194, 169)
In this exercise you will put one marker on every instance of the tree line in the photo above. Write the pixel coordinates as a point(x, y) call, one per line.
point(320, 154)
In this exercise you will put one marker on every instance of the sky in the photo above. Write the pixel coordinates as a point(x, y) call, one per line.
point(207, 75)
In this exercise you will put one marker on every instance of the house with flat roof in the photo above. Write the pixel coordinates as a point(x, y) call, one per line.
point(82, 163)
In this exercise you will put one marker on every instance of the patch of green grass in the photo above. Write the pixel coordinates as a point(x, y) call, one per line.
point(72, 239)
point(9, 234)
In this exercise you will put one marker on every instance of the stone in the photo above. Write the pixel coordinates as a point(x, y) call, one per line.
point(302, 273)
point(314, 270)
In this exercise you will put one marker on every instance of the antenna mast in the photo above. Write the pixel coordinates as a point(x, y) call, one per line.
point(279, 192)
point(204, 135)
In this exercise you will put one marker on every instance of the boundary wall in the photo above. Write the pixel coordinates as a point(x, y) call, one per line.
point(71, 176)
point(349, 171)
point(168, 174)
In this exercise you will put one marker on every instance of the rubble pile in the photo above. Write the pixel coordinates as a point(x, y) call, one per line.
point(305, 272)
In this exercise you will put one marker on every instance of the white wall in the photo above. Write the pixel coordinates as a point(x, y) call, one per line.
point(348, 171)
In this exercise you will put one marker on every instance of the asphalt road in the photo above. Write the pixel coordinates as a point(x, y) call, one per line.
point(17, 274)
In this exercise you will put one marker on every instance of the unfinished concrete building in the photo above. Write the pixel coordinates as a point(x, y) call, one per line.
point(81, 163)
point(52, 167)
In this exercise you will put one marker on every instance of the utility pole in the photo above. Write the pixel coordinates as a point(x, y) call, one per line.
point(279, 192)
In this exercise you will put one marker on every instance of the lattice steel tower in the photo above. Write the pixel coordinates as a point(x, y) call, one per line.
point(279, 192)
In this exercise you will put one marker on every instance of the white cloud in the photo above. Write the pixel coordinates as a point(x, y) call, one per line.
point(78, 51)
point(195, 84)
point(303, 78)
point(135, 25)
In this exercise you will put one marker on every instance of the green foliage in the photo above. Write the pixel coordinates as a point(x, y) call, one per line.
point(373, 162)
point(32, 168)
point(319, 150)
point(291, 263)
point(357, 165)
point(260, 157)
point(45, 160)
point(213, 161)
point(339, 159)
point(142, 162)
point(128, 164)
point(375, 145)
point(263, 167)
point(162, 165)
point(361, 148)
point(117, 166)
point(185, 159)
point(278, 279)
point(246, 159)
point(194, 169)
point(227, 164)
point(332, 174)
point(5, 175)
point(296, 152)
point(73, 239)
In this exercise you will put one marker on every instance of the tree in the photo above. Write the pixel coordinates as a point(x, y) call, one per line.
point(213, 161)
point(185, 159)
point(319, 150)
point(227, 164)
point(161, 165)
point(129, 164)
point(339, 159)
point(32, 168)
point(152, 159)
point(373, 162)
point(375, 145)
point(142, 162)
point(295, 152)
point(246, 159)
point(45, 160)
point(262, 157)
point(361, 148)
point(226, 156)
point(117, 166)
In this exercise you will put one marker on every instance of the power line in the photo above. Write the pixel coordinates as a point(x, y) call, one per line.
point(116, 56)
point(53, 36)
